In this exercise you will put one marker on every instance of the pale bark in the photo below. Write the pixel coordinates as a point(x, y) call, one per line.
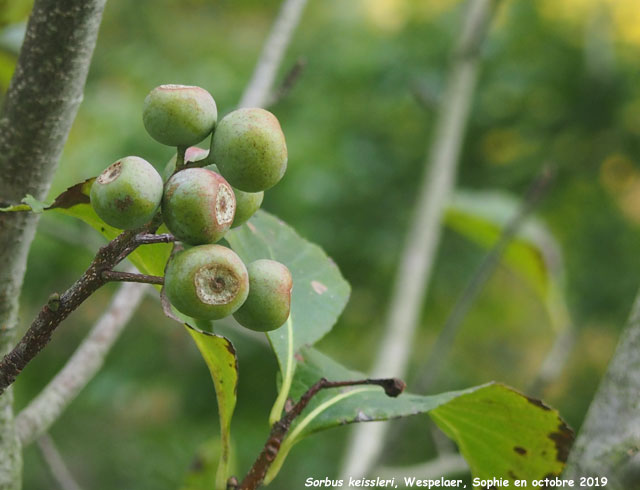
point(86, 361)
point(258, 91)
point(608, 444)
point(417, 258)
point(56, 464)
point(38, 111)
point(445, 465)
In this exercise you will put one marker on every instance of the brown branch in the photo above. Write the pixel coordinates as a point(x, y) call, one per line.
point(119, 276)
point(392, 387)
point(41, 412)
point(59, 307)
point(151, 238)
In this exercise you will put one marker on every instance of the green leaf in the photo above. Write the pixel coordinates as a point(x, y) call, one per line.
point(319, 294)
point(531, 425)
point(480, 216)
point(12, 11)
point(203, 469)
point(502, 433)
point(35, 205)
point(220, 356)
point(75, 201)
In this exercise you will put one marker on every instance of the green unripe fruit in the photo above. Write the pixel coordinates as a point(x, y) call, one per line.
point(192, 154)
point(269, 302)
point(207, 281)
point(247, 203)
point(127, 194)
point(179, 115)
point(198, 206)
point(250, 150)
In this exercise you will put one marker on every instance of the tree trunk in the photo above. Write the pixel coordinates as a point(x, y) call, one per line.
point(38, 111)
point(608, 444)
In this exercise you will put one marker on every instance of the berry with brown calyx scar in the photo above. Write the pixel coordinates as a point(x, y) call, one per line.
point(198, 206)
point(127, 194)
point(207, 281)
point(269, 302)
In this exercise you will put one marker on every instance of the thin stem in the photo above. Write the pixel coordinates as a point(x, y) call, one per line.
point(255, 476)
point(39, 333)
point(416, 261)
point(151, 238)
point(36, 418)
point(443, 466)
point(289, 81)
point(283, 394)
point(198, 163)
point(181, 150)
point(119, 276)
point(292, 438)
point(428, 372)
point(53, 458)
point(259, 88)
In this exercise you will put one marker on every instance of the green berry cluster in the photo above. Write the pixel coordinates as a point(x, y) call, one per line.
point(201, 195)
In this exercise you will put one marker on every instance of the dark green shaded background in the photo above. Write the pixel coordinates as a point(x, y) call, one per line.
point(559, 84)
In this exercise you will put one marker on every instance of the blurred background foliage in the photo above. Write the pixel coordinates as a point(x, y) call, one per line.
point(559, 83)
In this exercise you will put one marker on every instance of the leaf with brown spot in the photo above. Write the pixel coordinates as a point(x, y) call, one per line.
point(501, 433)
point(498, 431)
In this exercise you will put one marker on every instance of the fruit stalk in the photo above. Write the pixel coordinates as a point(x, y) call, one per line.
point(119, 276)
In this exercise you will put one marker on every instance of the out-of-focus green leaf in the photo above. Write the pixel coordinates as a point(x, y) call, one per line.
point(12, 11)
point(481, 216)
point(319, 294)
point(75, 201)
point(220, 356)
point(7, 67)
point(522, 437)
point(502, 433)
point(203, 469)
